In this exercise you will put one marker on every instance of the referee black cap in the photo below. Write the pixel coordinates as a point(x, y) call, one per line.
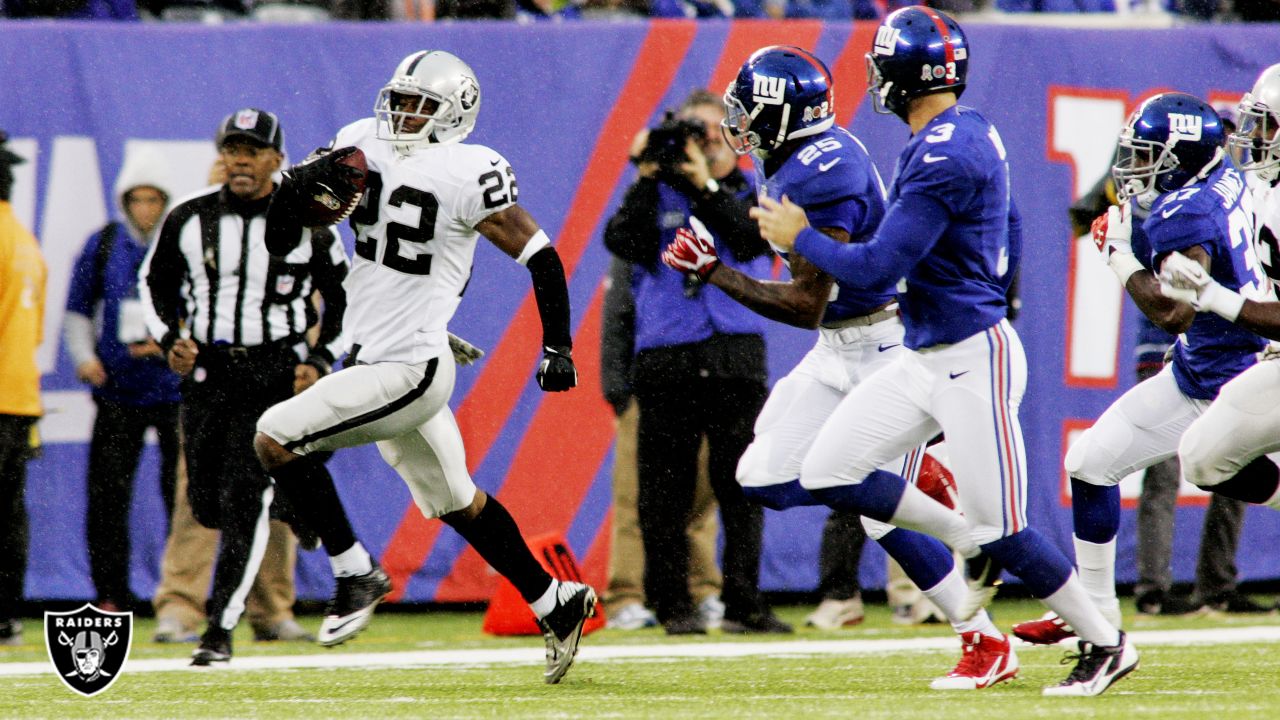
point(258, 126)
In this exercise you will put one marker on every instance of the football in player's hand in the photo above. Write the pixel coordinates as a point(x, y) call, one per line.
point(329, 186)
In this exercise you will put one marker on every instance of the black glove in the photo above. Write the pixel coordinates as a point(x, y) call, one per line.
point(327, 169)
point(556, 372)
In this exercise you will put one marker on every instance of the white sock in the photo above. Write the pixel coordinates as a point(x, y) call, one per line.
point(1074, 605)
point(917, 511)
point(1097, 564)
point(948, 594)
point(543, 606)
point(353, 561)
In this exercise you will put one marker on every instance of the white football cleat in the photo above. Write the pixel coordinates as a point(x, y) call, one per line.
point(1097, 668)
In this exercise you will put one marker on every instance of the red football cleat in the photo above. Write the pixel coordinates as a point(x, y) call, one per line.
point(986, 661)
point(1048, 630)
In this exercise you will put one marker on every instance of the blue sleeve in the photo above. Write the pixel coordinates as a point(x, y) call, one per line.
point(1015, 243)
point(1179, 232)
point(846, 214)
point(82, 294)
point(909, 231)
point(832, 198)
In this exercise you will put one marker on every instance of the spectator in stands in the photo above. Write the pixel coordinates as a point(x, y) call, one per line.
point(692, 8)
point(475, 9)
point(72, 9)
point(205, 11)
point(382, 9)
point(292, 11)
point(815, 9)
point(133, 388)
point(625, 597)
point(22, 289)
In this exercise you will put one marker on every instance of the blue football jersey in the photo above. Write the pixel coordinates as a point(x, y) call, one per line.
point(833, 178)
point(1217, 215)
point(958, 288)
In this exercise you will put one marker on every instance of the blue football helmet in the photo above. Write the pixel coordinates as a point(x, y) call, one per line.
point(1168, 141)
point(781, 93)
point(917, 51)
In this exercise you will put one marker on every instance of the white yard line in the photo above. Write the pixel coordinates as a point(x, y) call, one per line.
point(533, 654)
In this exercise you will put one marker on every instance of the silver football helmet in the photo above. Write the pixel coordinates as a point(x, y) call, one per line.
point(433, 97)
point(1256, 143)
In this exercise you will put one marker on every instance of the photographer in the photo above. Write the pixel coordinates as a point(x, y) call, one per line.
point(699, 365)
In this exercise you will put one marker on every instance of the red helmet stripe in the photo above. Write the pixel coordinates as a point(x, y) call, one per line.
point(821, 67)
point(947, 43)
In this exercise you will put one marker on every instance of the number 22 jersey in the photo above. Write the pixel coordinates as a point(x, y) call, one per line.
point(415, 240)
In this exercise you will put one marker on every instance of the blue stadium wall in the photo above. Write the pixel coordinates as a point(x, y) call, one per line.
point(562, 101)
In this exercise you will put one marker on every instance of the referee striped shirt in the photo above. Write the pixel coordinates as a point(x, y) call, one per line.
point(210, 272)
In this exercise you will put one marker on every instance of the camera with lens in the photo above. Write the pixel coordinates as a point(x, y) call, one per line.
point(666, 144)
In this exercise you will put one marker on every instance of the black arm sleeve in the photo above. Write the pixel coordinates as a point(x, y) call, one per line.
point(327, 277)
point(284, 229)
point(1089, 206)
point(165, 273)
point(618, 335)
point(552, 294)
point(726, 215)
point(632, 233)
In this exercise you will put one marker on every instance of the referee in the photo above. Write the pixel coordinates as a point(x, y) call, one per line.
point(232, 320)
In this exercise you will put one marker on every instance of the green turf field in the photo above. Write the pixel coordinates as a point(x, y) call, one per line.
point(1229, 681)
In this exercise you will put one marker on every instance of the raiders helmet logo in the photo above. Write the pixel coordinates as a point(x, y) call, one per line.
point(88, 647)
point(468, 96)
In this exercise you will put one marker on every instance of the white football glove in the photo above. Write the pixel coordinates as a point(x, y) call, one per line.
point(1186, 280)
point(464, 353)
point(1112, 235)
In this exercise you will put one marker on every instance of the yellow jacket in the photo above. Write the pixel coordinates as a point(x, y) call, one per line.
point(22, 283)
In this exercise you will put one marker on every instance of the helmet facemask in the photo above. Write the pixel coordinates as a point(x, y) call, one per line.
point(881, 91)
point(1256, 144)
point(1140, 165)
point(736, 125)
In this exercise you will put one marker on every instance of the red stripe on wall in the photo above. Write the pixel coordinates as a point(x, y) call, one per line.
point(558, 458)
point(850, 72)
point(486, 408)
point(747, 37)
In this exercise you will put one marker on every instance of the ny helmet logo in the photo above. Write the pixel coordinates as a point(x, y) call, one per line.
point(88, 647)
point(768, 90)
point(886, 40)
point(1185, 127)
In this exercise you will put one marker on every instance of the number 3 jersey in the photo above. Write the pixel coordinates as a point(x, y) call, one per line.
point(415, 240)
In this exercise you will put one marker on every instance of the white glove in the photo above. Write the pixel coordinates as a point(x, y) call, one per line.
point(1111, 235)
point(1186, 280)
point(464, 353)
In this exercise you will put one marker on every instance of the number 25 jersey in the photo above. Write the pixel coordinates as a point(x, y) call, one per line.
point(415, 240)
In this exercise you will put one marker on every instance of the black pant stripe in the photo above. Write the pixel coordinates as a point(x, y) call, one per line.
point(366, 418)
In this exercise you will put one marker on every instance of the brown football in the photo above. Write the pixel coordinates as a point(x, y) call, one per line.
point(330, 198)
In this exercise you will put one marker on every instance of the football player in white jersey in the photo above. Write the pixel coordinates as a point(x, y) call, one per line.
point(428, 198)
